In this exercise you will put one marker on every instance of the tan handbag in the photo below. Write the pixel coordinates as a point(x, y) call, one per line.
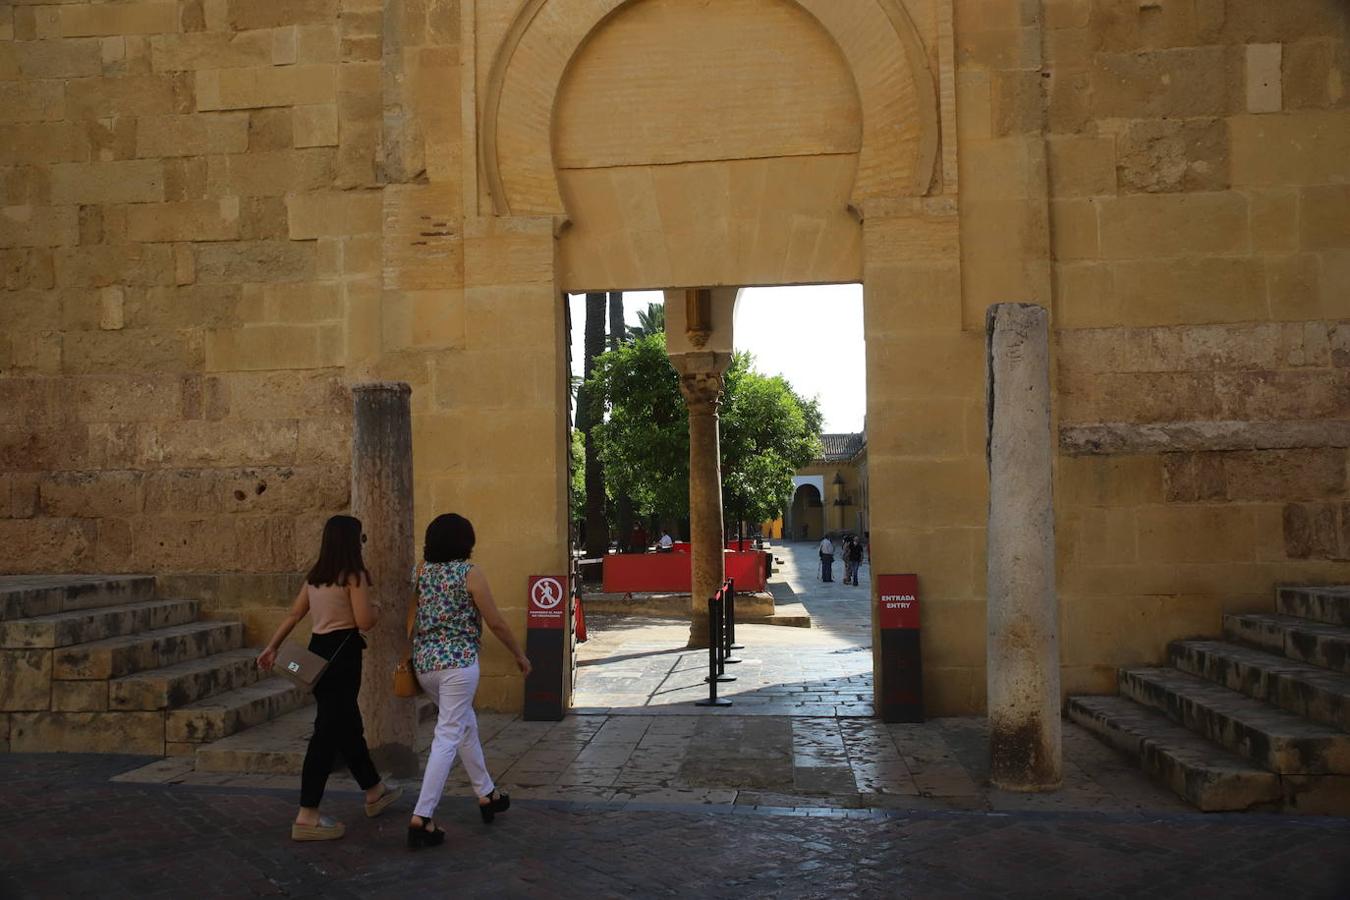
point(405, 678)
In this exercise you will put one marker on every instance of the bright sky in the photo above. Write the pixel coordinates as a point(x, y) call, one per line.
point(812, 336)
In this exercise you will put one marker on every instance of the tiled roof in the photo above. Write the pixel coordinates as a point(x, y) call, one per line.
point(838, 447)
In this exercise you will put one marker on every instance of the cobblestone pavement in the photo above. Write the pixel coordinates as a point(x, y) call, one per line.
point(797, 763)
point(67, 831)
point(632, 664)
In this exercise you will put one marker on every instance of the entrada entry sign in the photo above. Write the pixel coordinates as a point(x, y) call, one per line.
point(900, 674)
point(544, 635)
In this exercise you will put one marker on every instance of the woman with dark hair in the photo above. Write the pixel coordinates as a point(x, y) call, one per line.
point(335, 592)
point(451, 603)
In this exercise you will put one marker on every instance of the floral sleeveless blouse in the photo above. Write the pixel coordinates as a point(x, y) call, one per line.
point(448, 629)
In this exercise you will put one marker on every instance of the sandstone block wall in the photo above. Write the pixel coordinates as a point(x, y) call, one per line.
point(215, 215)
point(185, 213)
point(1198, 159)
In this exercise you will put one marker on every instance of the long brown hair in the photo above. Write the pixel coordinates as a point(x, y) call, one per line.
point(339, 553)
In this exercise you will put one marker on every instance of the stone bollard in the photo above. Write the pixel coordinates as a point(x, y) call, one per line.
point(382, 499)
point(1023, 611)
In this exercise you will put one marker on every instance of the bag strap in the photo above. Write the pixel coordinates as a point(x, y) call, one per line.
point(417, 595)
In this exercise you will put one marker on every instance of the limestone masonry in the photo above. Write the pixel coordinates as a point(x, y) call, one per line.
point(218, 215)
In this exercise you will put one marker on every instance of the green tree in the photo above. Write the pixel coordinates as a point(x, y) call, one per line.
point(576, 483)
point(643, 435)
point(768, 431)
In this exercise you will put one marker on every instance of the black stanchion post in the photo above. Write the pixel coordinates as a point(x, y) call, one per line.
point(717, 615)
point(731, 618)
point(714, 639)
point(729, 630)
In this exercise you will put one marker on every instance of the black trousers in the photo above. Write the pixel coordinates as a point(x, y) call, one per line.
point(337, 717)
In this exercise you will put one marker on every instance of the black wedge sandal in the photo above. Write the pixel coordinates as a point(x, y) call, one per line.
point(496, 803)
point(425, 835)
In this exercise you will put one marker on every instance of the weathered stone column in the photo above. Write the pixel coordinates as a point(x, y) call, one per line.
point(701, 385)
point(1023, 611)
point(382, 499)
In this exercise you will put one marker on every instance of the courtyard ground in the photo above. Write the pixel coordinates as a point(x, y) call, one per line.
point(66, 830)
point(795, 791)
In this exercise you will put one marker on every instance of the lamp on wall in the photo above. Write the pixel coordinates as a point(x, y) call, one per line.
point(698, 315)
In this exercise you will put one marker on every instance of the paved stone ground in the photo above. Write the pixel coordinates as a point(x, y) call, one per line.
point(793, 796)
point(798, 763)
point(67, 831)
point(632, 664)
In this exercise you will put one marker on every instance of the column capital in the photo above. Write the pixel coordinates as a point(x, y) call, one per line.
point(702, 391)
point(701, 380)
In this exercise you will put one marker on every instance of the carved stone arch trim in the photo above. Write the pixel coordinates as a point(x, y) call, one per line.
point(887, 95)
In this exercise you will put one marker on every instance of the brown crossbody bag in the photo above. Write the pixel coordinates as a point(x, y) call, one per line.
point(302, 666)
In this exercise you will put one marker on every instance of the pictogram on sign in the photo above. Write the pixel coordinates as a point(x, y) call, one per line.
point(547, 593)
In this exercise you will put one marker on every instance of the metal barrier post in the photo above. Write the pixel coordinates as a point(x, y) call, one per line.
point(714, 654)
point(729, 606)
point(718, 615)
point(731, 619)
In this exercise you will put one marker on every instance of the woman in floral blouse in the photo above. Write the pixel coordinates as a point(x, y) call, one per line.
point(453, 601)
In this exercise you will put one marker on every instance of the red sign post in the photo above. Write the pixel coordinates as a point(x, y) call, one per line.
point(900, 675)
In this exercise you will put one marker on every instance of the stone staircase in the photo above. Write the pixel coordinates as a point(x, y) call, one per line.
point(1260, 720)
point(102, 664)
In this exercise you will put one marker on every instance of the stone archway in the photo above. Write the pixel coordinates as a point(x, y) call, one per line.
point(876, 210)
point(769, 188)
point(806, 514)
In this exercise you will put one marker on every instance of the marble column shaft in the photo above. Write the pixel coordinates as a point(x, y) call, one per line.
point(382, 475)
point(1023, 610)
point(702, 392)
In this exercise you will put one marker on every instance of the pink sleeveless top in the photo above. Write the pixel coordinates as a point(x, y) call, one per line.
point(331, 608)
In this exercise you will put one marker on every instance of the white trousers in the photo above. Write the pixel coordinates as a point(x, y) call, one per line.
point(452, 691)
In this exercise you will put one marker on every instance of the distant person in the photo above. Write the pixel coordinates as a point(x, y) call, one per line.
point(336, 593)
point(637, 539)
point(853, 559)
point(451, 603)
point(826, 559)
point(666, 544)
point(846, 553)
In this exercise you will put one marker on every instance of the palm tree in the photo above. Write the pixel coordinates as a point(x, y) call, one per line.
point(597, 531)
point(616, 329)
point(623, 504)
point(651, 320)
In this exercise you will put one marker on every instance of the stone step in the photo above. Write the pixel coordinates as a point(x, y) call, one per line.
point(87, 732)
point(1312, 642)
point(1264, 734)
point(278, 747)
point(1201, 773)
point(1302, 689)
point(130, 653)
point(179, 684)
point(83, 626)
point(793, 615)
point(27, 596)
point(1329, 604)
point(224, 714)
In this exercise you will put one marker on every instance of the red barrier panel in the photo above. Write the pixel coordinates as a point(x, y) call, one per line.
point(683, 546)
point(670, 572)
